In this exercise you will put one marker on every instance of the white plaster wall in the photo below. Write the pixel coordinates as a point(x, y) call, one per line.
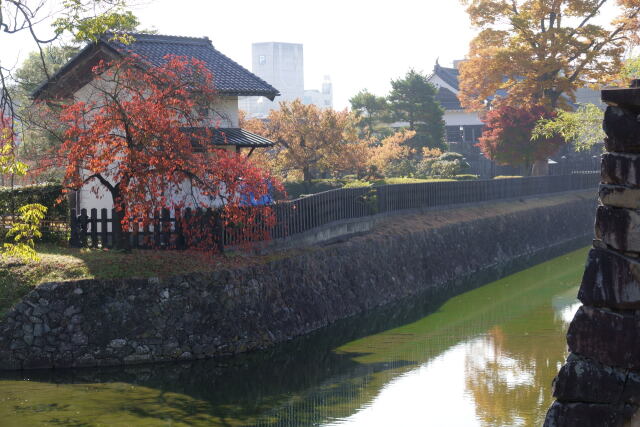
point(461, 118)
point(223, 113)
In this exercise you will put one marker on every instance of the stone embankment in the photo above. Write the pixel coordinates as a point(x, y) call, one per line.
point(599, 385)
point(114, 322)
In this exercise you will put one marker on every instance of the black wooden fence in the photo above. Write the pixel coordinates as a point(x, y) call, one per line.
point(95, 229)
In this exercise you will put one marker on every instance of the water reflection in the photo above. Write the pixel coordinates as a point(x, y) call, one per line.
point(485, 358)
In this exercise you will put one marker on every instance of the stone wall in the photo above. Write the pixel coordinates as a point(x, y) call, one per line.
point(114, 322)
point(600, 383)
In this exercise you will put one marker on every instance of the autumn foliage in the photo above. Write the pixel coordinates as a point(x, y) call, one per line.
point(540, 52)
point(312, 142)
point(507, 136)
point(145, 134)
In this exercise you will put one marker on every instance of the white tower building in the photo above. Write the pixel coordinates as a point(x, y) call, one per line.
point(282, 66)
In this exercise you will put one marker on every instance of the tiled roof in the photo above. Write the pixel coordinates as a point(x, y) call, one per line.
point(448, 99)
point(448, 75)
point(239, 137)
point(229, 77)
point(235, 136)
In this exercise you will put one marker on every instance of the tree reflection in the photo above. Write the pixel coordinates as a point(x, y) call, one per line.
point(509, 371)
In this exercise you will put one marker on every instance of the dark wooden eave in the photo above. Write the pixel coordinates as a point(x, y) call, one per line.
point(76, 73)
point(229, 77)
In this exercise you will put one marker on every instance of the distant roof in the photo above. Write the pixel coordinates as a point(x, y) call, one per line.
point(234, 136)
point(448, 75)
point(229, 77)
point(448, 99)
point(239, 137)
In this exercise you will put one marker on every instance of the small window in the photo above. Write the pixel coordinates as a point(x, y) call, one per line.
point(262, 59)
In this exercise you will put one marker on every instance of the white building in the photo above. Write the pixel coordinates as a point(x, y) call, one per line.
point(321, 98)
point(463, 128)
point(230, 81)
point(282, 65)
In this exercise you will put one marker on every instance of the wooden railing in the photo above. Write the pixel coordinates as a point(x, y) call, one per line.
point(304, 214)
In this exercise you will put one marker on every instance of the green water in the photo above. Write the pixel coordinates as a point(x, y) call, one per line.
point(484, 358)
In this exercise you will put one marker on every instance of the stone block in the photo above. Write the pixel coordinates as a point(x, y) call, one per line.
point(610, 280)
point(607, 336)
point(619, 228)
point(622, 96)
point(41, 361)
point(584, 380)
point(578, 414)
point(631, 391)
point(619, 196)
point(118, 343)
point(621, 169)
point(137, 358)
point(8, 362)
point(79, 339)
point(623, 130)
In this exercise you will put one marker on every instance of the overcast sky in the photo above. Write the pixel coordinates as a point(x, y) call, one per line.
point(360, 44)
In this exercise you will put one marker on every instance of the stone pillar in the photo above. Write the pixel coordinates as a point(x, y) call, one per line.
point(600, 383)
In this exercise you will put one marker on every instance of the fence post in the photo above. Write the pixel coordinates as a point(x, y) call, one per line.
point(218, 230)
point(166, 228)
point(103, 227)
point(94, 227)
point(116, 230)
point(83, 227)
point(180, 240)
point(156, 229)
point(74, 238)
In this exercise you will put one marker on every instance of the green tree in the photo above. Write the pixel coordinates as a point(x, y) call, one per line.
point(38, 141)
point(582, 127)
point(82, 20)
point(372, 110)
point(32, 72)
point(413, 100)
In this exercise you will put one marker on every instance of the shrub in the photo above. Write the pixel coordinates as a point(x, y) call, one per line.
point(447, 165)
point(25, 232)
point(44, 194)
point(400, 167)
point(357, 184)
point(466, 177)
point(296, 189)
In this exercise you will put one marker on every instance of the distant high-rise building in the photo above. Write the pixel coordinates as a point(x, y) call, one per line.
point(282, 65)
point(321, 98)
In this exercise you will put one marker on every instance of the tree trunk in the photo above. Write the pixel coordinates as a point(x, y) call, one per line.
point(121, 243)
point(306, 174)
point(540, 168)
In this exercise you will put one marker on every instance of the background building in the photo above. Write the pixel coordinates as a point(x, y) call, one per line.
point(321, 98)
point(282, 66)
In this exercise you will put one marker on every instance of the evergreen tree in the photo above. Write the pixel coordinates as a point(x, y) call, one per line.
point(372, 110)
point(412, 100)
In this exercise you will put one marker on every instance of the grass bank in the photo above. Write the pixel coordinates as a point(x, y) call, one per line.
point(57, 263)
point(297, 189)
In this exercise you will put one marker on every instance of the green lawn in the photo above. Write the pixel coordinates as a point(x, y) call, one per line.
point(297, 189)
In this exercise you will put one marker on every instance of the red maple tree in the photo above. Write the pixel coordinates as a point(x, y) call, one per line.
point(507, 136)
point(145, 135)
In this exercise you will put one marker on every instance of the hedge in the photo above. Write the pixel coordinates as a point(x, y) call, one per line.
point(45, 194)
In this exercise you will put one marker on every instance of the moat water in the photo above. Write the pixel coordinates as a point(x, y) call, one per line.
point(484, 358)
